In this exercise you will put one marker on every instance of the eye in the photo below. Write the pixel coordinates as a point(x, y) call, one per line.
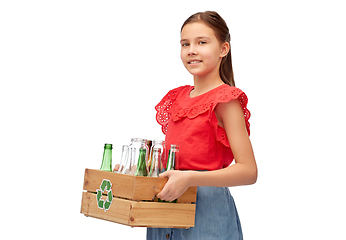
point(202, 42)
point(184, 44)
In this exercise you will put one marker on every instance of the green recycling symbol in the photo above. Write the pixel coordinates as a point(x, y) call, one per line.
point(106, 185)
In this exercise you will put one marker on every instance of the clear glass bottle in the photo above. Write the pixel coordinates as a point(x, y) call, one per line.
point(107, 158)
point(134, 153)
point(124, 158)
point(128, 164)
point(158, 144)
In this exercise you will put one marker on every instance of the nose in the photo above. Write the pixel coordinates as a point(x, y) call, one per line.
point(192, 51)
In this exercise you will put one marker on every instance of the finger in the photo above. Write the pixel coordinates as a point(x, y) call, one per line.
point(161, 194)
point(116, 167)
point(164, 193)
point(171, 199)
point(163, 175)
point(166, 174)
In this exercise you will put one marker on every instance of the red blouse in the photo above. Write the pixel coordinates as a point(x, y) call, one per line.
point(192, 124)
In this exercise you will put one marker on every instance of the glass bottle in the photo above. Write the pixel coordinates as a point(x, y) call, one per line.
point(141, 169)
point(155, 163)
point(149, 145)
point(172, 161)
point(173, 158)
point(158, 144)
point(128, 164)
point(107, 158)
point(124, 158)
point(134, 149)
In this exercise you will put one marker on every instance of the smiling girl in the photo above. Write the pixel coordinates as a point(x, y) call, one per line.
point(209, 121)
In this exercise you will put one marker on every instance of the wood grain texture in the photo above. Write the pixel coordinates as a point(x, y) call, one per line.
point(132, 203)
point(132, 187)
point(141, 214)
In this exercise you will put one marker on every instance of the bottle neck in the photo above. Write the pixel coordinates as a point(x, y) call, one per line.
point(141, 165)
point(107, 160)
point(171, 160)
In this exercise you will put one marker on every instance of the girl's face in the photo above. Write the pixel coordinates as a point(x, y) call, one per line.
point(201, 51)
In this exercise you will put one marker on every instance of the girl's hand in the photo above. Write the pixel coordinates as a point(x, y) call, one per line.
point(177, 184)
point(116, 167)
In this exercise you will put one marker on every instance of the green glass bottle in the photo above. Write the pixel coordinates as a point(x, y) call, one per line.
point(172, 157)
point(141, 164)
point(172, 160)
point(107, 158)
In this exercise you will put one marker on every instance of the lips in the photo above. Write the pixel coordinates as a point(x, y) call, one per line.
point(194, 61)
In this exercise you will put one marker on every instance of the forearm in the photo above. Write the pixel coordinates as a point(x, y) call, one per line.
point(234, 175)
point(180, 181)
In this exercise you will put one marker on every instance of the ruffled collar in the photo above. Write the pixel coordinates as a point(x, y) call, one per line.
point(191, 107)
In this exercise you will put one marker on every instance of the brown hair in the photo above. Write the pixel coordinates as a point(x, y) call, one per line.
point(215, 21)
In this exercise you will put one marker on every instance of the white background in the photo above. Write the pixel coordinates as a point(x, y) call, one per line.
point(77, 74)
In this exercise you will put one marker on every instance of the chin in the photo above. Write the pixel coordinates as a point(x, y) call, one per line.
point(196, 73)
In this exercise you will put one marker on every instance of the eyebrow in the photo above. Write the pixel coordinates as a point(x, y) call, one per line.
point(184, 40)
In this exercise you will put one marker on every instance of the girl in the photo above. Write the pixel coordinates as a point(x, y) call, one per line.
point(209, 121)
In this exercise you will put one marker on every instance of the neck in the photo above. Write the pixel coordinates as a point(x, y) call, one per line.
point(203, 84)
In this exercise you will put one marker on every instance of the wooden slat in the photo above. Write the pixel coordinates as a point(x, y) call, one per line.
point(122, 184)
point(141, 214)
point(131, 187)
point(146, 188)
point(119, 211)
point(189, 196)
point(162, 215)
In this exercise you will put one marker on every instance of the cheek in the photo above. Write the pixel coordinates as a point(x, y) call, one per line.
point(211, 55)
point(182, 54)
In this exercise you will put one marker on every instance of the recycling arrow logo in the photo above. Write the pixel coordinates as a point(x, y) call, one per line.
point(105, 189)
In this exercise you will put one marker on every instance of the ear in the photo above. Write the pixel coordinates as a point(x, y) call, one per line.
point(224, 49)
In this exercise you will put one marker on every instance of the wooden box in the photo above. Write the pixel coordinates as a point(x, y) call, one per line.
point(129, 200)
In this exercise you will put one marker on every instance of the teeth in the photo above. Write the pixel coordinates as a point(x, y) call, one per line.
point(195, 62)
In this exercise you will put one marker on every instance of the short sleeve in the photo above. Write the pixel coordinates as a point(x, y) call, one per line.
point(163, 108)
point(226, 95)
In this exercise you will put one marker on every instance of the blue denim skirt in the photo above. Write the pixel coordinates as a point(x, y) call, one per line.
point(216, 218)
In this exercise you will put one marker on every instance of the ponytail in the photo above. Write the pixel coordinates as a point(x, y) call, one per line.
point(226, 69)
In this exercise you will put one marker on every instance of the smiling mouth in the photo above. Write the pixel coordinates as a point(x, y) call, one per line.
point(194, 62)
